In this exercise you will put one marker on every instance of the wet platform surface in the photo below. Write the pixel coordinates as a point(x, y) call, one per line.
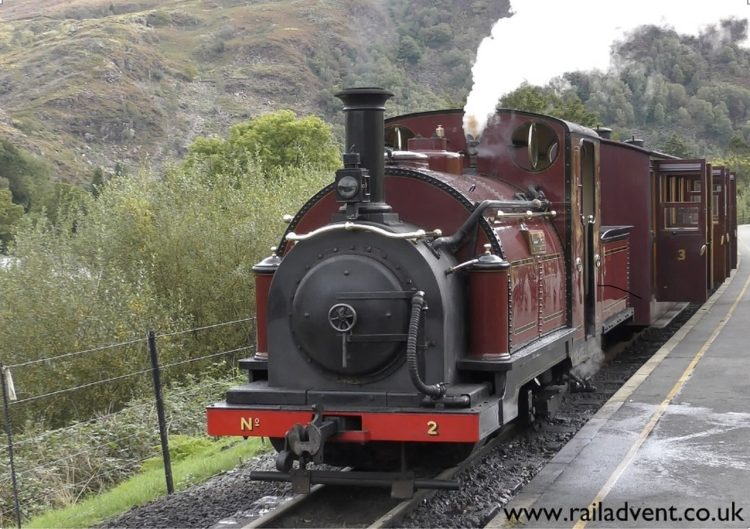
point(672, 447)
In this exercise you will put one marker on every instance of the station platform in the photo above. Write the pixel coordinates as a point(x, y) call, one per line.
point(672, 447)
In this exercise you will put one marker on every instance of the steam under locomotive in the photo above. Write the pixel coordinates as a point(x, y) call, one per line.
point(444, 285)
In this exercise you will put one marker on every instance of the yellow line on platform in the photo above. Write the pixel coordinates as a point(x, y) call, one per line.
point(660, 410)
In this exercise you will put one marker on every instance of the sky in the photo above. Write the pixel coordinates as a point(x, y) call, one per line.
point(534, 46)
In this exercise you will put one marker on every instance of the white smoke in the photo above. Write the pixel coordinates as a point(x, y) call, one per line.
point(546, 38)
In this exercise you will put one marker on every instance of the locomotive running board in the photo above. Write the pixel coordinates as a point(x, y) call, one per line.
point(402, 484)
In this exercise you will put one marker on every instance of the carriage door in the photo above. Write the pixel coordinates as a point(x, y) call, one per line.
point(591, 258)
point(732, 209)
point(682, 238)
point(720, 230)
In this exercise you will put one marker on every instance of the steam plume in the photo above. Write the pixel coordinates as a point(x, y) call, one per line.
point(544, 39)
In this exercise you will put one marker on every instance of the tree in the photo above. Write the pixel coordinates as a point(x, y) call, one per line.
point(409, 50)
point(737, 29)
point(28, 178)
point(273, 141)
point(701, 111)
point(676, 96)
point(580, 82)
point(740, 164)
point(97, 181)
point(10, 214)
point(677, 75)
point(659, 114)
point(66, 200)
point(676, 145)
point(528, 97)
point(436, 35)
point(545, 100)
point(571, 108)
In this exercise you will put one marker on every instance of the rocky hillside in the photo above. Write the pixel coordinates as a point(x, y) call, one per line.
point(94, 83)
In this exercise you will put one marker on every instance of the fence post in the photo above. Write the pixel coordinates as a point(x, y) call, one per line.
point(156, 372)
point(9, 432)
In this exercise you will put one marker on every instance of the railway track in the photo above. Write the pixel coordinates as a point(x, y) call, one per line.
point(337, 506)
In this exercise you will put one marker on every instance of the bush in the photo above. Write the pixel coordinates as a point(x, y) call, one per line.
point(28, 178)
point(270, 143)
point(436, 35)
point(409, 50)
point(10, 214)
point(167, 254)
point(149, 254)
point(158, 19)
point(59, 467)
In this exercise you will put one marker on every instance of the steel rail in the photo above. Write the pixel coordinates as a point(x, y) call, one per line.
point(284, 508)
point(396, 513)
point(267, 519)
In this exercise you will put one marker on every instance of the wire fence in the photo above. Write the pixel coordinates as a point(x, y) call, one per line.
point(124, 428)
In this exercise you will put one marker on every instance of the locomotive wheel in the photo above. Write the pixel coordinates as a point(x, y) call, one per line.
point(447, 455)
point(387, 455)
point(284, 461)
point(372, 456)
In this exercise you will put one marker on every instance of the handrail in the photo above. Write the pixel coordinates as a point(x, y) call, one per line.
point(352, 226)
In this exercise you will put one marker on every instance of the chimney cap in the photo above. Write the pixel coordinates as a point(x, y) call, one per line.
point(638, 142)
point(364, 98)
point(604, 132)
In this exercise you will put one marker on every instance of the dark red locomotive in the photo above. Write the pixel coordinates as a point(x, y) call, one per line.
point(429, 296)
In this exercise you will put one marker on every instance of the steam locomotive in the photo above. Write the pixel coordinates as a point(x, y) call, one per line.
point(443, 285)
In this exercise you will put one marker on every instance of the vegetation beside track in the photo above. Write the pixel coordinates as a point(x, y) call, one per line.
point(195, 459)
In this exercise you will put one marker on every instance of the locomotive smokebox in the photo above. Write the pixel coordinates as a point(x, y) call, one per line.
point(365, 134)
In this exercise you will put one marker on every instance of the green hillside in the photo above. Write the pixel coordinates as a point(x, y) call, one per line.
point(663, 83)
point(89, 83)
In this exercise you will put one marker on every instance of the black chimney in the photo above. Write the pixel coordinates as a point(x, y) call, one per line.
point(638, 142)
point(604, 132)
point(365, 134)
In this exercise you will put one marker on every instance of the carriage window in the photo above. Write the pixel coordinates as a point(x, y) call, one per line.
point(715, 206)
point(681, 217)
point(535, 146)
point(397, 137)
point(681, 198)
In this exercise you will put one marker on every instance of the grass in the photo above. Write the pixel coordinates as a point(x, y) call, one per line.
point(195, 462)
